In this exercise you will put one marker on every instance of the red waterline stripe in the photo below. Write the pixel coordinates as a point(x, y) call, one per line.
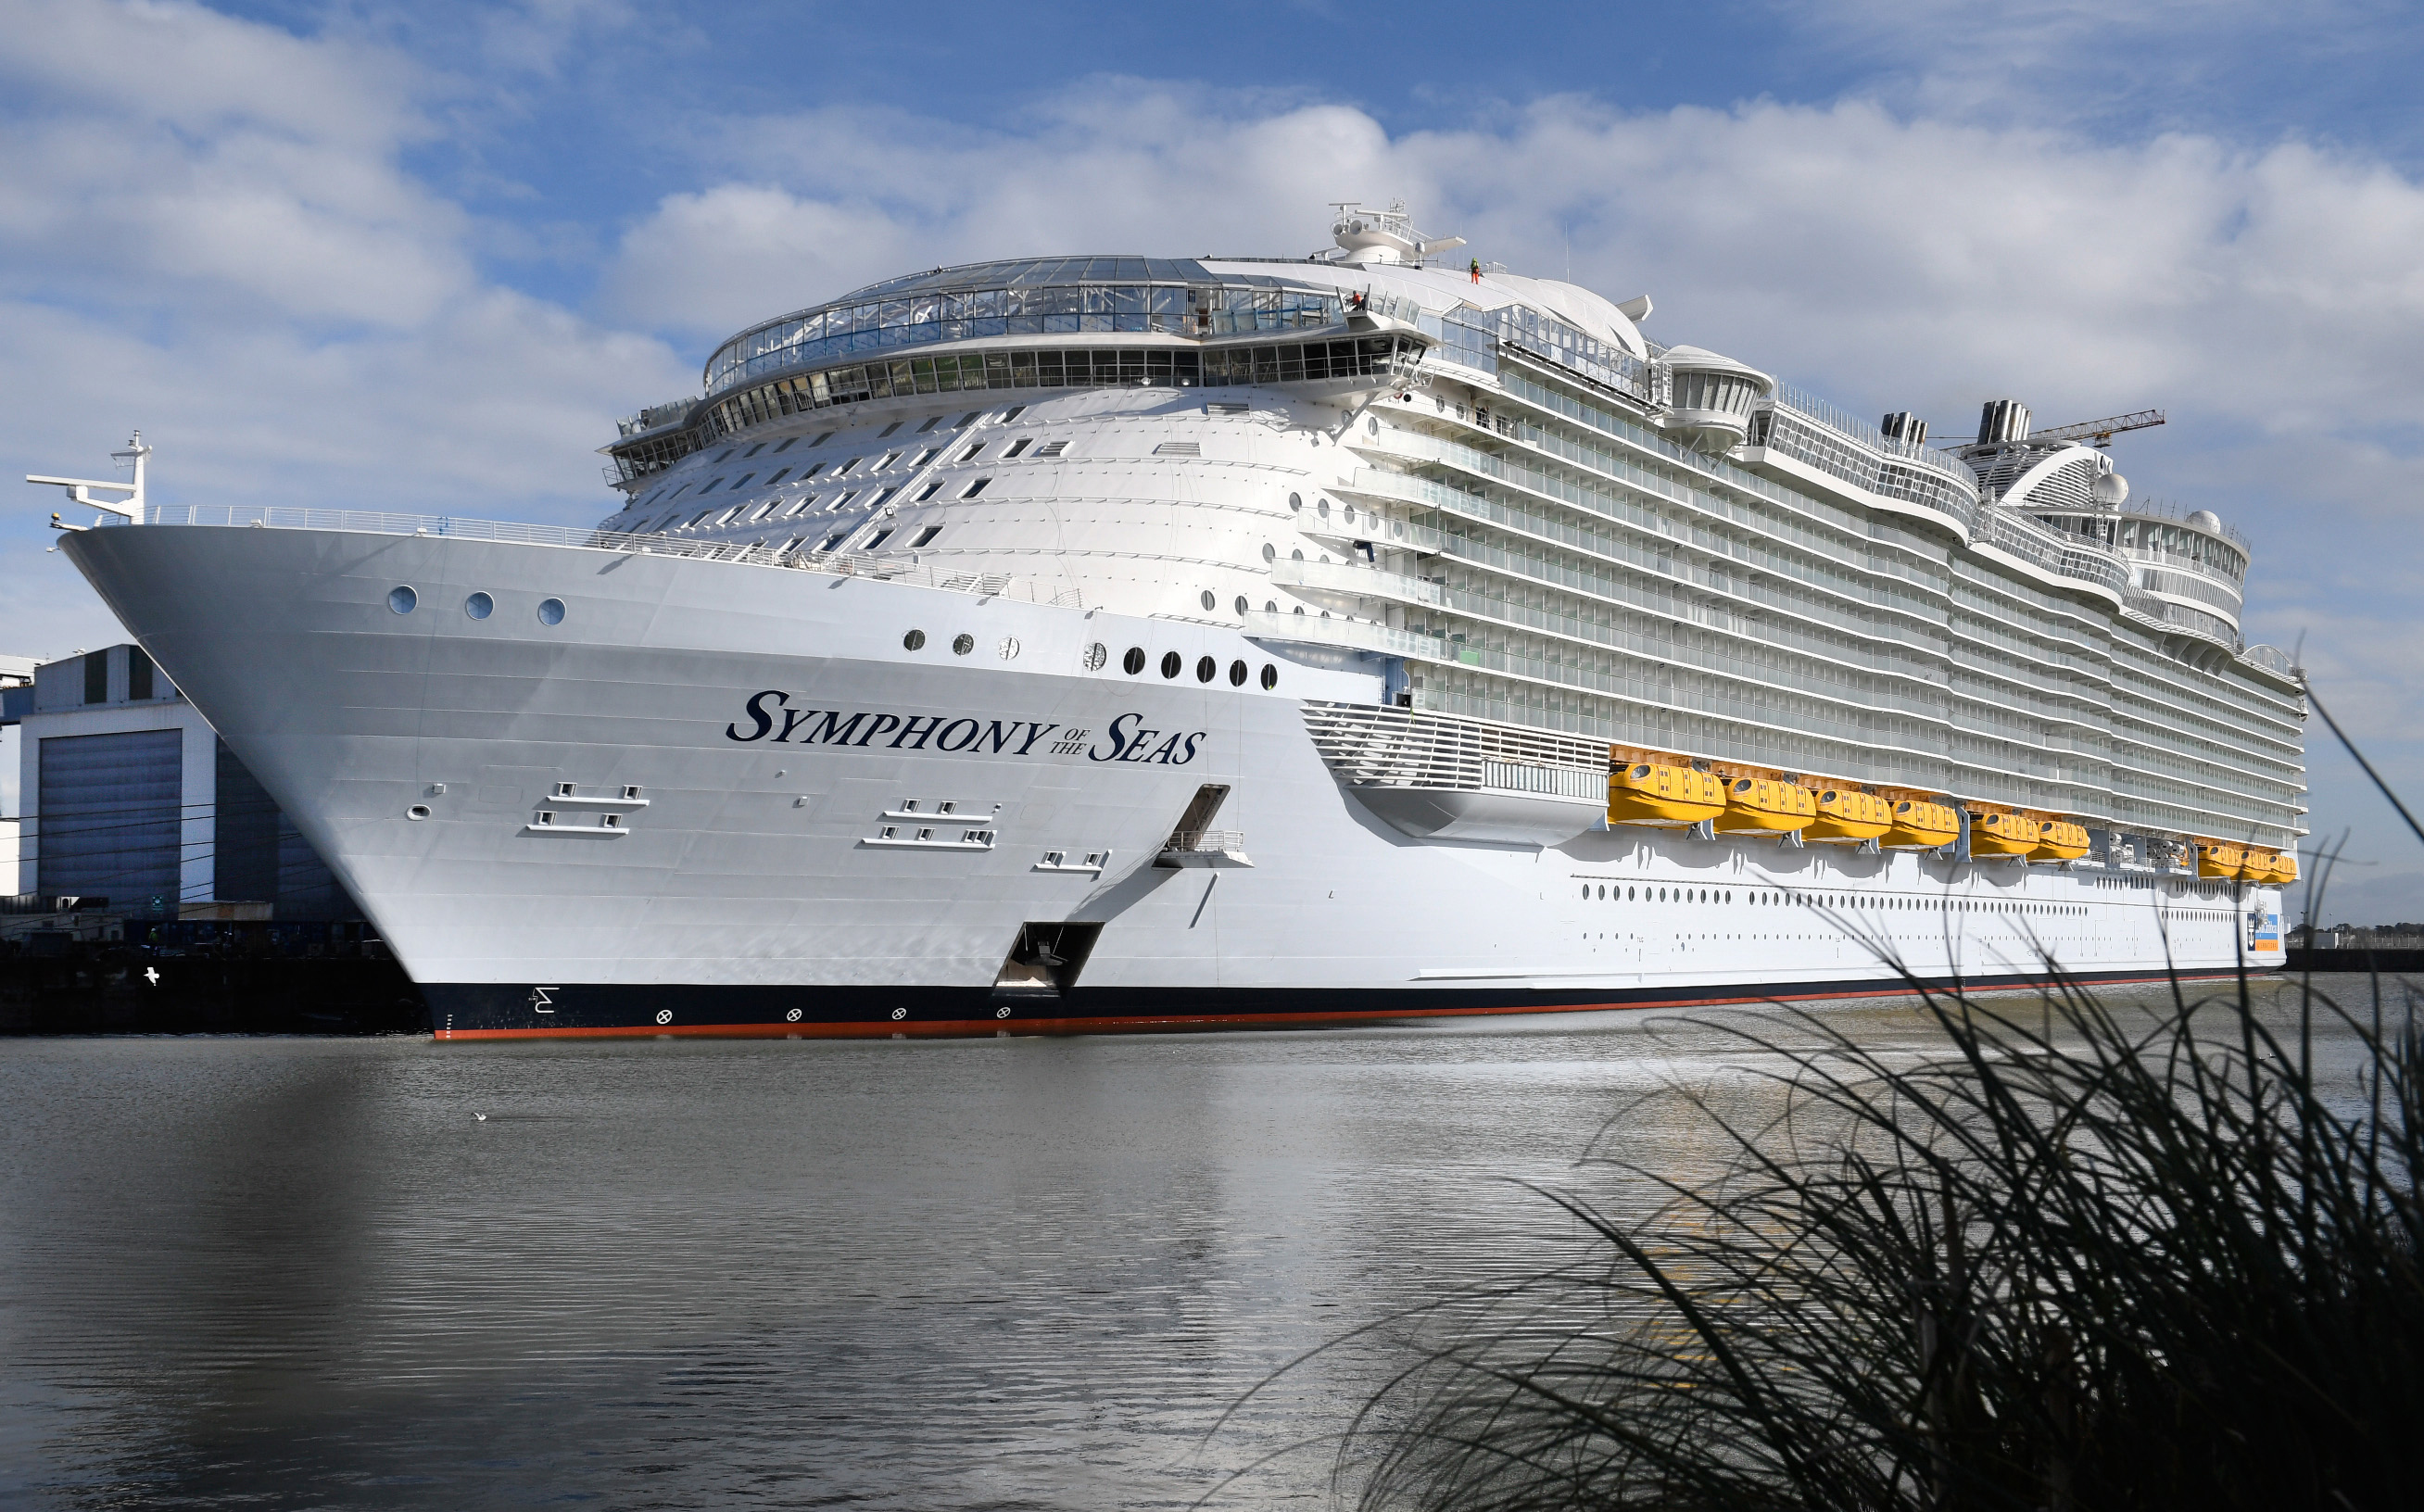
point(949, 1028)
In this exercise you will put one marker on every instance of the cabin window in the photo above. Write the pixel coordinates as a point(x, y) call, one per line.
point(973, 452)
point(929, 491)
point(927, 535)
point(1017, 446)
point(975, 488)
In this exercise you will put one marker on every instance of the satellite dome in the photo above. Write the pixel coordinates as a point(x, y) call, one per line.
point(2110, 489)
point(2206, 519)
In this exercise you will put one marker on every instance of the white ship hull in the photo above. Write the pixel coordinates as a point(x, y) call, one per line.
point(751, 886)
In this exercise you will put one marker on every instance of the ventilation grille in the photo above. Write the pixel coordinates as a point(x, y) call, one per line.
point(1179, 448)
point(1052, 449)
point(1369, 745)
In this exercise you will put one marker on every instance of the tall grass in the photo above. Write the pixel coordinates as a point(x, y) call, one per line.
point(2080, 1255)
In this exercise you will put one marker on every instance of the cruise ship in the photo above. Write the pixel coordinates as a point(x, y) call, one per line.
point(1089, 642)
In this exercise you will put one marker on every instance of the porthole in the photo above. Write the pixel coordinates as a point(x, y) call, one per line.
point(1134, 662)
point(962, 644)
point(1096, 655)
point(1628, 894)
point(1297, 556)
point(1586, 892)
point(1237, 674)
point(1207, 669)
point(1270, 553)
point(914, 641)
point(479, 606)
point(1271, 677)
point(1208, 602)
point(1602, 892)
point(1008, 649)
point(1321, 507)
point(1173, 663)
point(1372, 426)
point(416, 811)
point(550, 612)
point(1270, 606)
point(1295, 502)
point(402, 599)
point(1243, 607)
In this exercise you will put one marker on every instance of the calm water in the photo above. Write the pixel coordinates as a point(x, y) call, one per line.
point(1000, 1273)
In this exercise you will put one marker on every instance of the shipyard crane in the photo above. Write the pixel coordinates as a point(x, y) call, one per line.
point(2100, 433)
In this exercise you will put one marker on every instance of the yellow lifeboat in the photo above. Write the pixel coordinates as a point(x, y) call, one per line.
point(2002, 835)
point(2215, 858)
point(2269, 866)
point(1757, 805)
point(1663, 796)
point(1847, 816)
point(2059, 840)
point(1918, 825)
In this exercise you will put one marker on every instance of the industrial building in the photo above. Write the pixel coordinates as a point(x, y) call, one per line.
point(126, 793)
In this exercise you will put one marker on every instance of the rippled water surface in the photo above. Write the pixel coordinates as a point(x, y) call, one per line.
point(996, 1273)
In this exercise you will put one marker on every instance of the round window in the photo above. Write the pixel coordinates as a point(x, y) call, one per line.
point(1297, 556)
point(963, 645)
point(1271, 677)
point(1208, 601)
point(479, 606)
point(1008, 649)
point(1207, 669)
point(416, 811)
point(1270, 553)
point(1243, 607)
point(550, 612)
point(914, 641)
point(402, 599)
point(1372, 426)
point(1172, 664)
point(1238, 672)
point(1096, 655)
point(1322, 508)
point(1296, 501)
point(1134, 660)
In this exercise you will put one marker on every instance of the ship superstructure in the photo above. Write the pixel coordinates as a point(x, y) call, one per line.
point(1445, 588)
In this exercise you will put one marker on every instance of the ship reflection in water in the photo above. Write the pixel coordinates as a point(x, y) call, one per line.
point(921, 1275)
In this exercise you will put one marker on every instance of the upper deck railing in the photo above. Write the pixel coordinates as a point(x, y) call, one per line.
point(834, 564)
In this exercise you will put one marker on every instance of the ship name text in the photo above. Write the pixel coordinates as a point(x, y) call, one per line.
point(774, 720)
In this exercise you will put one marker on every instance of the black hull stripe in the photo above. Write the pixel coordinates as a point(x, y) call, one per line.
point(487, 1010)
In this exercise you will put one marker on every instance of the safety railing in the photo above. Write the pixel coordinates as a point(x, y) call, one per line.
point(835, 563)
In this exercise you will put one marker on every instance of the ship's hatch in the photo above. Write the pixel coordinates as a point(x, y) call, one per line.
point(1046, 958)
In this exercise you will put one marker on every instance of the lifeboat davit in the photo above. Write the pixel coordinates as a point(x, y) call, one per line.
point(2059, 840)
point(1847, 816)
point(1921, 826)
point(1760, 807)
point(2002, 834)
point(1663, 796)
point(2216, 858)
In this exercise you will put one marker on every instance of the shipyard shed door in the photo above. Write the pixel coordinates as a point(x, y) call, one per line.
point(109, 818)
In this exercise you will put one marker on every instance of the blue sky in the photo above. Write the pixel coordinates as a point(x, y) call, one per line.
point(420, 257)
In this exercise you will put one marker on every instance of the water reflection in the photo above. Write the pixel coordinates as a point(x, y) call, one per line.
point(995, 1273)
